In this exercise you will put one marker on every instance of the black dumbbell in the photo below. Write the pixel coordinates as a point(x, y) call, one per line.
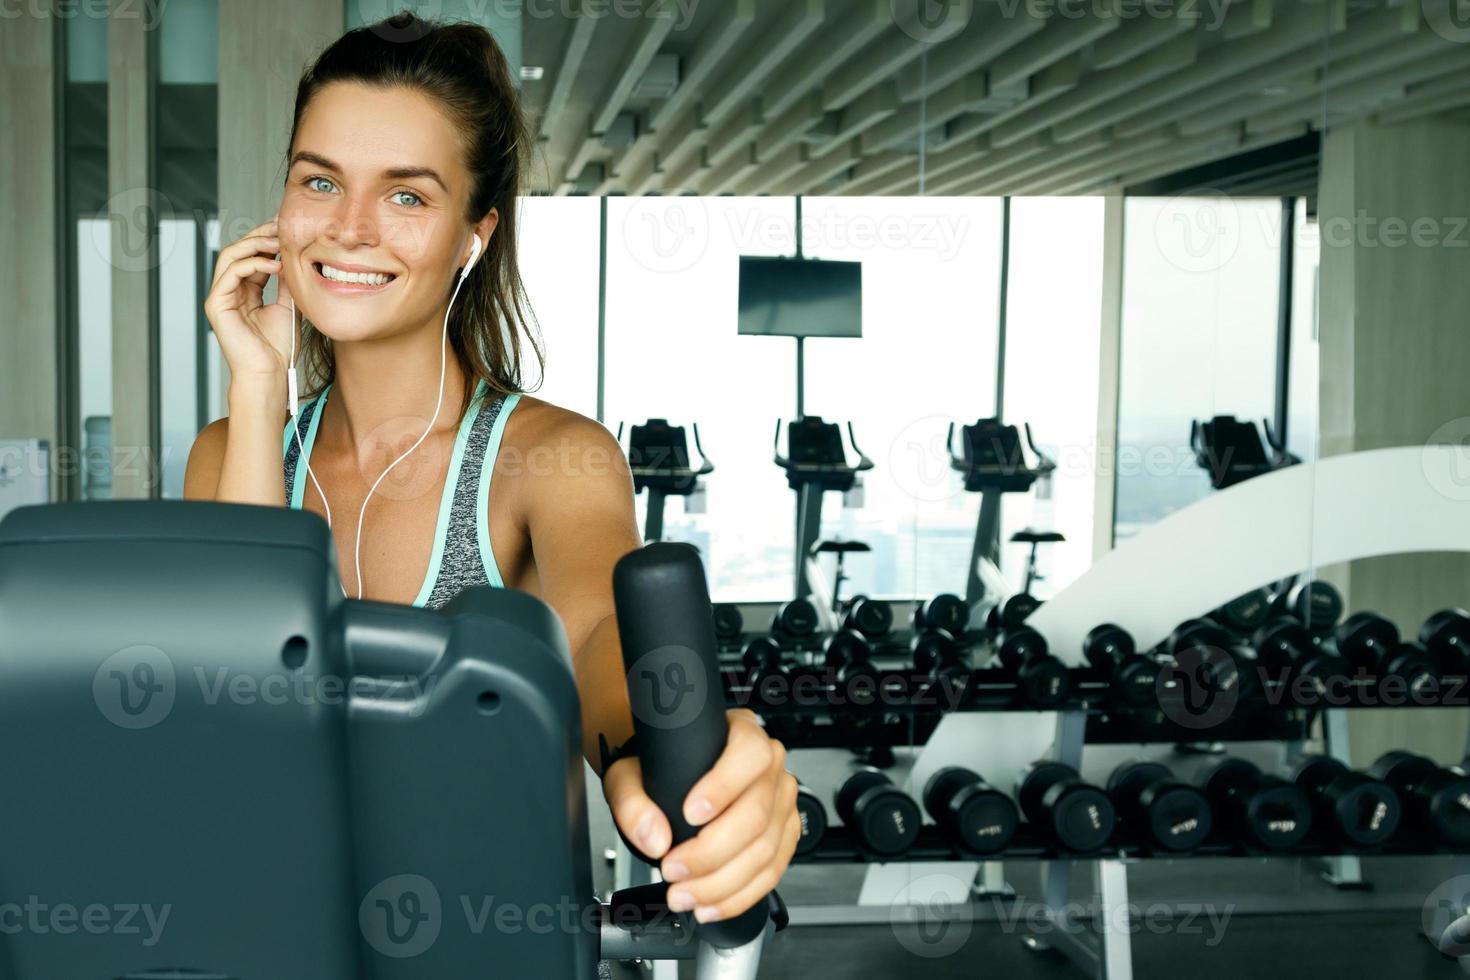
point(1077, 815)
point(869, 617)
point(1041, 680)
point(1285, 644)
point(928, 647)
point(1357, 809)
point(1316, 605)
point(1226, 665)
point(884, 817)
point(973, 814)
point(945, 611)
point(1158, 808)
point(761, 657)
point(796, 619)
point(813, 817)
point(1133, 679)
point(1446, 635)
point(1012, 612)
point(1370, 644)
point(1262, 809)
point(1437, 798)
point(847, 655)
point(729, 623)
point(1245, 613)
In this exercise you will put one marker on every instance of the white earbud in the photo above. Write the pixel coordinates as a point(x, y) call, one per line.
point(475, 247)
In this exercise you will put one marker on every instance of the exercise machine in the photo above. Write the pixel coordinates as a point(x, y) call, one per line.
point(658, 456)
point(200, 723)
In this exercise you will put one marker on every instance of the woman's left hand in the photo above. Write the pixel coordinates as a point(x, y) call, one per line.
point(745, 809)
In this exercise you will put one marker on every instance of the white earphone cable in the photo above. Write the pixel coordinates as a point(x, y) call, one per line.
point(438, 402)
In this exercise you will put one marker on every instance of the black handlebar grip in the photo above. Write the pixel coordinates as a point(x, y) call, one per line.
point(668, 640)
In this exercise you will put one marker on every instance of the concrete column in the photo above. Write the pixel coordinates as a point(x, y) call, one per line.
point(1395, 359)
point(30, 262)
point(1108, 377)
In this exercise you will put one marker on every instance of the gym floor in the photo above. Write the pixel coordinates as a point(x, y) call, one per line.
point(1373, 933)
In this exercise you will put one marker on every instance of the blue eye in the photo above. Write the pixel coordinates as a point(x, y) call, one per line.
point(417, 200)
point(312, 180)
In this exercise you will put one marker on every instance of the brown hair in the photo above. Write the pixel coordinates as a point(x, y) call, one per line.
point(461, 66)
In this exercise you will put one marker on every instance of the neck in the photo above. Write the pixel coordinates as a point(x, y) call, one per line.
point(384, 389)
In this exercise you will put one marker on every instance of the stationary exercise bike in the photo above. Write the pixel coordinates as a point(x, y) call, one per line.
point(296, 785)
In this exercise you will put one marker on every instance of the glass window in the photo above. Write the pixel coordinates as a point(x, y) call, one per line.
point(927, 357)
point(1053, 325)
point(1200, 280)
point(558, 253)
point(673, 352)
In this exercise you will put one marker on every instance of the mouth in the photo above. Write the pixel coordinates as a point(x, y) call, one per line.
point(351, 283)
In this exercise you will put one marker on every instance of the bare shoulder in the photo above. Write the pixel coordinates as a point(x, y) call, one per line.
point(538, 424)
point(551, 447)
point(206, 456)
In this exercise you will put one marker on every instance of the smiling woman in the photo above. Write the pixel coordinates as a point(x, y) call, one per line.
point(395, 240)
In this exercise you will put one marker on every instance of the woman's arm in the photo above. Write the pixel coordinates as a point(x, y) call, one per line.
point(580, 518)
point(238, 458)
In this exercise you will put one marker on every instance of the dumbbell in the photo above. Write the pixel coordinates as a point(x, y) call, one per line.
point(1438, 799)
point(871, 618)
point(1077, 815)
point(1160, 809)
point(1260, 808)
point(1316, 605)
point(796, 619)
point(1230, 666)
point(729, 623)
point(1041, 680)
point(1244, 614)
point(1371, 644)
point(1012, 612)
point(1357, 809)
point(973, 814)
point(762, 657)
point(1285, 644)
point(883, 816)
point(1133, 679)
point(813, 817)
point(849, 658)
point(945, 611)
point(1446, 635)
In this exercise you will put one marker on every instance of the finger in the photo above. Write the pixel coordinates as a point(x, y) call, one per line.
point(250, 245)
point(749, 753)
point(636, 815)
point(254, 271)
point(283, 291)
point(725, 837)
point(761, 884)
point(732, 877)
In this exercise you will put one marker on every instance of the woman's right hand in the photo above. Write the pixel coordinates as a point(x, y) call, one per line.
point(255, 338)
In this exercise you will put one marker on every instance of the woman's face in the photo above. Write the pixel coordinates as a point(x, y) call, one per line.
point(377, 186)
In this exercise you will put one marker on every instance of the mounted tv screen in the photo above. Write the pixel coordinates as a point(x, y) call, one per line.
point(787, 297)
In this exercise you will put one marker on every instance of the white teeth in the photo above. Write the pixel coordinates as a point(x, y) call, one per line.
point(362, 278)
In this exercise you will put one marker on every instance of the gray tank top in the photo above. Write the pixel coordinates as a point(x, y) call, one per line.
point(462, 555)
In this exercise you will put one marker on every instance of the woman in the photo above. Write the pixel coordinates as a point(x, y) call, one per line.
point(407, 145)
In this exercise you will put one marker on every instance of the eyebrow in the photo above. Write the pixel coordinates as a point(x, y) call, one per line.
point(392, 173)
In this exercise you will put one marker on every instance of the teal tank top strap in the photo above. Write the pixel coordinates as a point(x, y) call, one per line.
point(482, 497)
point(308, 418)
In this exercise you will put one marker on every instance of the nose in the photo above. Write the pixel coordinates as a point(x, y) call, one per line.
point(354, 224)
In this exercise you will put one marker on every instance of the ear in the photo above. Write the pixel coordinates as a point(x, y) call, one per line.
point(485, 227)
